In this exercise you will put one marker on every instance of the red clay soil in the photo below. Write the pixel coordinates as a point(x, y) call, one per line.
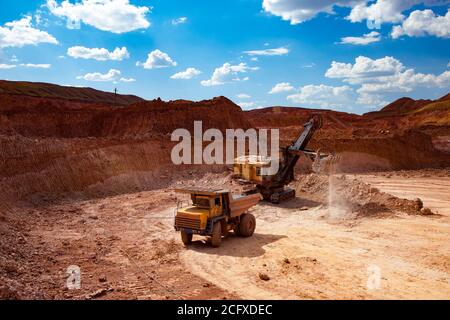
point(60, 144)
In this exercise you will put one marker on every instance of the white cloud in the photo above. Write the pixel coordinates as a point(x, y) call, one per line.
point(117, 16)
point(374, 101)
point(298, 11)
point(26, 65)
point(309, 65)
point(187, 74)
point(243, 96)
point(246, 105)
point(254, 59)
point(389, 11)
point(21, 32)
point(376, 11)
point(180, 20)
point(127, 80)
point(112, 75)
point(14, 58)
point(364, 68)
point(38, 66)
point(100, 54)
point(7, 66)
point(227, 73)
point(384, 75)
point(281, 87)
point(156, 60)
point(421, 23)
point(324, 96)
point(405, 82)
point(364, 40)
point(268, 52)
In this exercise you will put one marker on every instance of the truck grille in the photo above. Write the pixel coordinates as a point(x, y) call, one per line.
point(182, 222)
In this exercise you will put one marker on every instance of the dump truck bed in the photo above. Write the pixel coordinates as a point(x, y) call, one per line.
point(240, 204)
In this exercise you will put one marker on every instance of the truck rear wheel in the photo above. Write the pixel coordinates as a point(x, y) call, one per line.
point(186, 238)
point(216, 237)
point(247, 225)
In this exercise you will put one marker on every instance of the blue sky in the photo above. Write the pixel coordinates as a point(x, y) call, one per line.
point(344, 55)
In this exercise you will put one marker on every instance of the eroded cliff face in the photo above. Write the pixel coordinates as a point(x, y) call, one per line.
point(51, 147)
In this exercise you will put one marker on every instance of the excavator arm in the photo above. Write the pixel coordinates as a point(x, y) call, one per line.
point(293, 152)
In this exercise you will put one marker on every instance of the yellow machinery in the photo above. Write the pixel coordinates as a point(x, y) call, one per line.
point(215, 212)
point(273, 187)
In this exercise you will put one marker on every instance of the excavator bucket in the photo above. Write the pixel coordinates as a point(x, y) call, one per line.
point(325, 163)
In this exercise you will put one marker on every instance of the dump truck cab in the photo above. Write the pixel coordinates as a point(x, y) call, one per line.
point(214, 213)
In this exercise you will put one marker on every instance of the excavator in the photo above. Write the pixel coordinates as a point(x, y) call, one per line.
point(247, 169)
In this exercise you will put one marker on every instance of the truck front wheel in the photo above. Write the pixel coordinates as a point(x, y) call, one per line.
point(216, 237)
point(186, 238)
point(247, 225)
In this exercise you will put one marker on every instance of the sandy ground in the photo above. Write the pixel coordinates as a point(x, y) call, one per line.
point(126, 248)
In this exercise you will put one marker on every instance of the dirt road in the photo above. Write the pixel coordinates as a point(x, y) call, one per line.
point(310, 254)
point(126, 248)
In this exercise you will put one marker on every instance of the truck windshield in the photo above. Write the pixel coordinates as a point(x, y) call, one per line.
point(202, 202)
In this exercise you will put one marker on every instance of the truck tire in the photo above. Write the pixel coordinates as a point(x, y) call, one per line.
point(216, 237)
point(236, 230)
point(247, 225)
point(186, 238)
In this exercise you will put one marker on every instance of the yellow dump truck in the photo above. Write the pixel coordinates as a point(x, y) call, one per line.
point(214, 213)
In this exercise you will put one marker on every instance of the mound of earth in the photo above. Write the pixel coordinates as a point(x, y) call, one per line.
point(350, 198)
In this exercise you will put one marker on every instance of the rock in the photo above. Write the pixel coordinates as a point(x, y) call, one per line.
point(102, 278)
point(264, 277)
point(418, 204)
point(286, 260)
point(98, 293)
point(426, 212)
point(374, 190)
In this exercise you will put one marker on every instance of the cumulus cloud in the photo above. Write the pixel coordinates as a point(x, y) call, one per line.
point(187, 74)
point(156, 60)
point(379, 11)
point(111, 75)
point(376, 77)
point(324, 96)
point(389, 11)
point(297, 11)
point(364, 68)
point(268, 52)
point(364, 40)
point(422, 23)
point(20, 33)
point(243, 96)
point(100, 54)
point(227, 73)
point(281, 87)
point(180, 20)
point(117, 16)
